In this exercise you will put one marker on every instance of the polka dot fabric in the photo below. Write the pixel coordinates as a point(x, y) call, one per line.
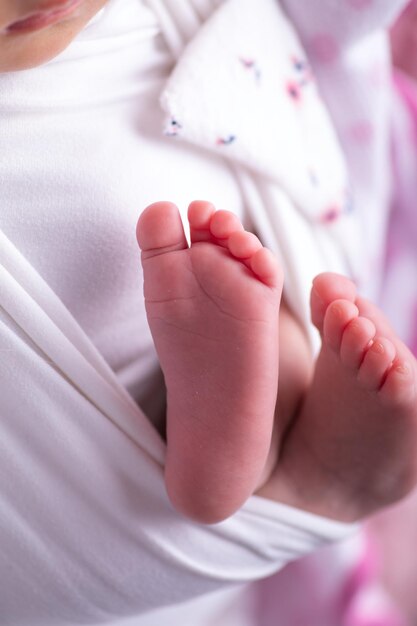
point(245, 88)
point(259, 97)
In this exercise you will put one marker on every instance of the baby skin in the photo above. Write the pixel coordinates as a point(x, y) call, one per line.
point(213, 312)
point(352, 448)
point(214, 309)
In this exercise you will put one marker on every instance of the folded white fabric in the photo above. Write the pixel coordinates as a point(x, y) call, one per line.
point(86, 529)
point(244, 87)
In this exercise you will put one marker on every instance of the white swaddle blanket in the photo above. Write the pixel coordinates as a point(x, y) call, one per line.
point(86, 529)
point(87, 532)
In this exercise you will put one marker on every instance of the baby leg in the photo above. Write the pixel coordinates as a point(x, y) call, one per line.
point(213, 311)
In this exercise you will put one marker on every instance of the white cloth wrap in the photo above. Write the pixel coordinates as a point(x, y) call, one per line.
point(86, 529)
point(285, 152)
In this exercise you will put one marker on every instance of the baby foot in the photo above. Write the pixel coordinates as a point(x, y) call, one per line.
point(213, 311)
point(358, 424)
point(367, 347)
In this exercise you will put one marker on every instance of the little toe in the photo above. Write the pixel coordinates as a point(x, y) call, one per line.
point(200, 213)
point(338, 315)
point(264, 265)
point(223, 224)
point(328, 287)
point(400, 384)
point(160, 230)
point(376, 363)
point(357, 338)
point(243, 245)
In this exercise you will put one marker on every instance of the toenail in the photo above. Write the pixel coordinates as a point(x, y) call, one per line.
point(337, 310)
point(378, 347)
point(402, 369)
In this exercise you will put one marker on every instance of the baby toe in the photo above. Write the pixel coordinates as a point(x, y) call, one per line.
point(224, 223)
point(372, 312)
point(160, 230)
point(200, 213)
point(328, 287)
point(338, 315)
point(376, 363)
point(243, 245)
point(400, 384)
point(356, 339)
point(264, 265)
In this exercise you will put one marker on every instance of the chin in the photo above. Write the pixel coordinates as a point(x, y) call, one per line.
point(33, 52)
point(26, 51)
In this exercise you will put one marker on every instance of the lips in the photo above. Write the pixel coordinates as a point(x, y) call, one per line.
point(54, 13)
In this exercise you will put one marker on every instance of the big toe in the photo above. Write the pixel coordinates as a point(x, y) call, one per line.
point(327, 288)
point(160, 230)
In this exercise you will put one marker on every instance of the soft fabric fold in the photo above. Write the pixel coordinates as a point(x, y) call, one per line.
point(87, 531)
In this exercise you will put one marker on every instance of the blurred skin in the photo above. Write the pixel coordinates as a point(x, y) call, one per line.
point(19, 51)
point(404, 41)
